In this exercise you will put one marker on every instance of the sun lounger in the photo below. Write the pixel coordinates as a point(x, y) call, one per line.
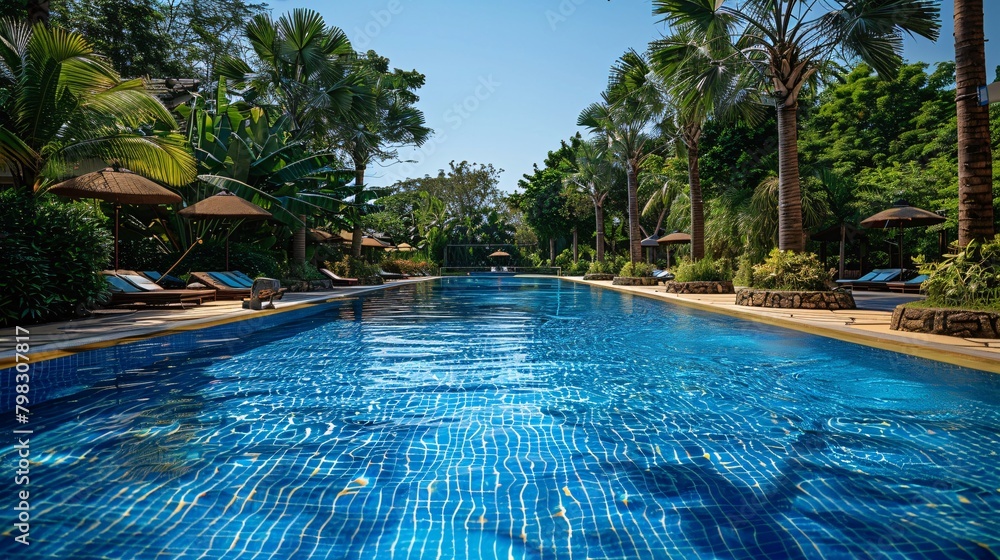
point(166, 281)
point(391, 275)
point(663, 275)
point(878, 282)
point(911, 286)
point(129, 288)
point(226, 286)
point(338, 280)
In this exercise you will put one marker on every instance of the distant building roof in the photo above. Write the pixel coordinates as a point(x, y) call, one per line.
point(172, 91)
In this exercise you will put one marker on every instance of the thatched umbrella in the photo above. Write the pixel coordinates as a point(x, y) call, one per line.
point(226, 206)
point(496, 254)
point(117, 186)
point(675, 238)
point(900, 216)
point(651, 244)
point(405, 248)
point(372, 242)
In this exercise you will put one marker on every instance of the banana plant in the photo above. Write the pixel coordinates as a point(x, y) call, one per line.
point(238, 149)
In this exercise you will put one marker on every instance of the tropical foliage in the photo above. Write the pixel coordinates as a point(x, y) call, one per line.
point(63, 109)
point(969, 278)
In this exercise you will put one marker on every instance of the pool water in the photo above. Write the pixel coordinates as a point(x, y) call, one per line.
point(518, 418)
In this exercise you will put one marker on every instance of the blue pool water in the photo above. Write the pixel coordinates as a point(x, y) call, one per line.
point(511, 418)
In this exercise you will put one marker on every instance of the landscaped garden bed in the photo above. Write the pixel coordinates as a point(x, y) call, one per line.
point(700, 287)
point(791, 299)
point(599, 276)
point(948, 322)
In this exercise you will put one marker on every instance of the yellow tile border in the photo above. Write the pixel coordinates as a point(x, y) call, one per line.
point(899, 343)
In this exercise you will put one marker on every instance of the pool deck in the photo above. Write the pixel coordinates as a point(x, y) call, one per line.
point(121, 325)
point(868, 325)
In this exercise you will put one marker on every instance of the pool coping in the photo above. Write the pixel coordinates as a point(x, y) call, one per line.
point(938, 348)
point(55, 350)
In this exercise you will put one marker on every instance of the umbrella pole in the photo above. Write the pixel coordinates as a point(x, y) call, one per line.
point(117, 208)
point(901, 253)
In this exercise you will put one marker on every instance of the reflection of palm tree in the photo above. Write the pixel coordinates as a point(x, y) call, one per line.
point(64, 104)
point(786, 43)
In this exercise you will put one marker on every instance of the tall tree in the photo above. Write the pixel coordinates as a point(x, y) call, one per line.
point(61, 103)
point(625, 119)
point(127, 32)
point(203, 32)
point(786, 42)
point(391, 122)
point(594, 175)
point(302, 65)
point(975, 158)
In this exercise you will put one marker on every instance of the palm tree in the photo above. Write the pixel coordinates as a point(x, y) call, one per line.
point(975, 158)
point(62, 104)
point(700, 81)
point(390, 121)
point(786, 42)
point(631, 107)
point(303, 66)
point(593, 176)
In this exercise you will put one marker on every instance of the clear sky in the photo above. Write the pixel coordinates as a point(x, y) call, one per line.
point(506, 80)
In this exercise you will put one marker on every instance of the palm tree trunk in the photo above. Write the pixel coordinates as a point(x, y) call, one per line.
point(576, 252)
point(634, 237)
point(691, 138)
point(299, 243)
point(359, 179)
point(599, 213)
point(552, 251)
point(790, 234)
point(975, 158)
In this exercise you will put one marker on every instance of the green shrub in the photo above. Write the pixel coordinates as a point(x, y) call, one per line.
point(305, 271)
point(405, 266)
point(578, 268)
point(211, 256)
point(635, 270)
point(51, 259)
point(969, 279)
point(788, 270)
point(352, 267)
point(597, 267)
point(704, 270)
point(744, 271)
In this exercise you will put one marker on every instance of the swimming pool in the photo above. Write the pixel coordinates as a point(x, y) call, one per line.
point(513, 418)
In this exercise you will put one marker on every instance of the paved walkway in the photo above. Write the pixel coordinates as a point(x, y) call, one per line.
point(868, 325)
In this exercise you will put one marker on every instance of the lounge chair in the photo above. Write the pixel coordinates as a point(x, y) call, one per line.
point(166, 281)
point(337, 280)
point(663, 275)
point(911, 286)
point(391, 275)
point(226, 285)
point(878, 282)
point(129, 288)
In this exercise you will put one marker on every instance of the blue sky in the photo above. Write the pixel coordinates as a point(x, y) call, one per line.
point(506, 80)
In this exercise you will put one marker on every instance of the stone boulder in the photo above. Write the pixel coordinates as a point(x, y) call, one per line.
point(634, 281)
